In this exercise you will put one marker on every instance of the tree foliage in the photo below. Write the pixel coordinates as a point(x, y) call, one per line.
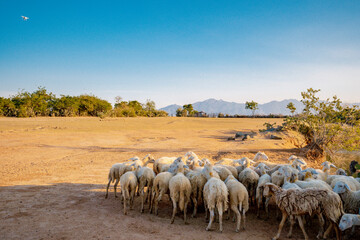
point(326, 124)
point(186, 111)
point(44, 103)
point(253, 106)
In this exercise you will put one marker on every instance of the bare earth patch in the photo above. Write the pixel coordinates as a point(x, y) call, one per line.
point(54, 172)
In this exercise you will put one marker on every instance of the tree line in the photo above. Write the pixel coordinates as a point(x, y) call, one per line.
point(44, 103)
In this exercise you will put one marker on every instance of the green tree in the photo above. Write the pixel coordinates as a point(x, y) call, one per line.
point(291, 107)
point(253, 106)
point(324, 124)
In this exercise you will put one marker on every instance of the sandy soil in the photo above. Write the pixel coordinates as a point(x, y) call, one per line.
point(54, 172)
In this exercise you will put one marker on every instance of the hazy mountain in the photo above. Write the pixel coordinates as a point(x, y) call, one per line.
point(171, 109)
point(220, 106)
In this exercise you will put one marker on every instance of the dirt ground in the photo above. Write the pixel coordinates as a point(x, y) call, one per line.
point(54, 171)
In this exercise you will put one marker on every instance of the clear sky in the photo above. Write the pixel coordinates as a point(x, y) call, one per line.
point(181, 51)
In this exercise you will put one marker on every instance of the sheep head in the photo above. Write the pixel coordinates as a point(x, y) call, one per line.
point(346, 221)
point(341, 187)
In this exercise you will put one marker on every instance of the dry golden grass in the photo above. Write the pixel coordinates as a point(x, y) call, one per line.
point(54, 170)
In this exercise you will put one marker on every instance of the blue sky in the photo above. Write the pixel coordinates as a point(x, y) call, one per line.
point(181, 51)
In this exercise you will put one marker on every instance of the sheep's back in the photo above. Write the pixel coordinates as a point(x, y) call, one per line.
point(301, 201)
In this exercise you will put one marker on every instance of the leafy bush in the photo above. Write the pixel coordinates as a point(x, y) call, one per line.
point(326, 124)
point(44, 103)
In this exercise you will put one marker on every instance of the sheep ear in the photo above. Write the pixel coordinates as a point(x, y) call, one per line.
point(211, 174)
point(347, 187)
point(332, 165)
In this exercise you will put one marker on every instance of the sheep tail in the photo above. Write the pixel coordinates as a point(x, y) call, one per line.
point(182, 200)
point(111, 176)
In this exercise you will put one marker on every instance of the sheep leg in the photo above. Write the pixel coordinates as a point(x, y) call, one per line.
point(174, 211)
point(281, 225)
point(244, 218)
point(152, 201)
point(107, 189)
point(132, 195)
point(292, 221)
point(229, 214)
point(124, 196)
point(259, 202)
point(301, 224)
point(238, 216)
point(193, 198)
point(328, 230)
point(206, 214)
point(148, 192)
point(185, 210)
point(141, 191)
point(115, 186)
point(338, 233)
point(267, 207)
point(220, 211)
point(212, 216)
point(321, 230)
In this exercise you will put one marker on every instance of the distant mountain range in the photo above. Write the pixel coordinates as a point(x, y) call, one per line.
point(220, 106)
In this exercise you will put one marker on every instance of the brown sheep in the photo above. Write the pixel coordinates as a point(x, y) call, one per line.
point(298, 202)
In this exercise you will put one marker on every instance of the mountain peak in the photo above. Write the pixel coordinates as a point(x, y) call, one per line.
point(214, 106)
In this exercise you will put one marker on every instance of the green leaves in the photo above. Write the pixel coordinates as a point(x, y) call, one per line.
point(253, 106)
point(326, 124)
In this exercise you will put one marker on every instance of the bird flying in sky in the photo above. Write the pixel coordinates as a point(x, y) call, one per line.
point(25, 18)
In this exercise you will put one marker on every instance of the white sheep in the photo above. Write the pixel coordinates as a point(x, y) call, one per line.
point(128, 183)
point(222, 171)
point(160, 187)
point(239, 200)
point(353, 184)
point(215, 196)
point(309, 182)
point(118, 169)
point(350, 198)
point(250, 179)
point(180, 190)
point(264, 178)
point(197, 181)
point(348, 221)
point(158, 164)
point(145, 176)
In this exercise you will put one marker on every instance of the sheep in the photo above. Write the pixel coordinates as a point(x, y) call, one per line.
point(160, 187)
point(311, 183)
point(207, 169)
point(118, 169)
point(277, 178)
point(180, 190)
point(348, 221)
point(324, 173)
point(340, 171)
point(145, 176)
point(250, 179)
point(128, 183)
point(235, 162)
point(215, 196)
point(299, 202)
point(350, 198)
point(197, 181)
point(222, 171)
point(353, 184)
point(166, 167)
point(239, 199)
point(265, 178)
point(160, 162)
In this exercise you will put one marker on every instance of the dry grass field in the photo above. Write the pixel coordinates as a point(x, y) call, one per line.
point(54, 172)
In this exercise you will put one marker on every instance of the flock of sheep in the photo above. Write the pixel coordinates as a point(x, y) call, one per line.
point(233, 184)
